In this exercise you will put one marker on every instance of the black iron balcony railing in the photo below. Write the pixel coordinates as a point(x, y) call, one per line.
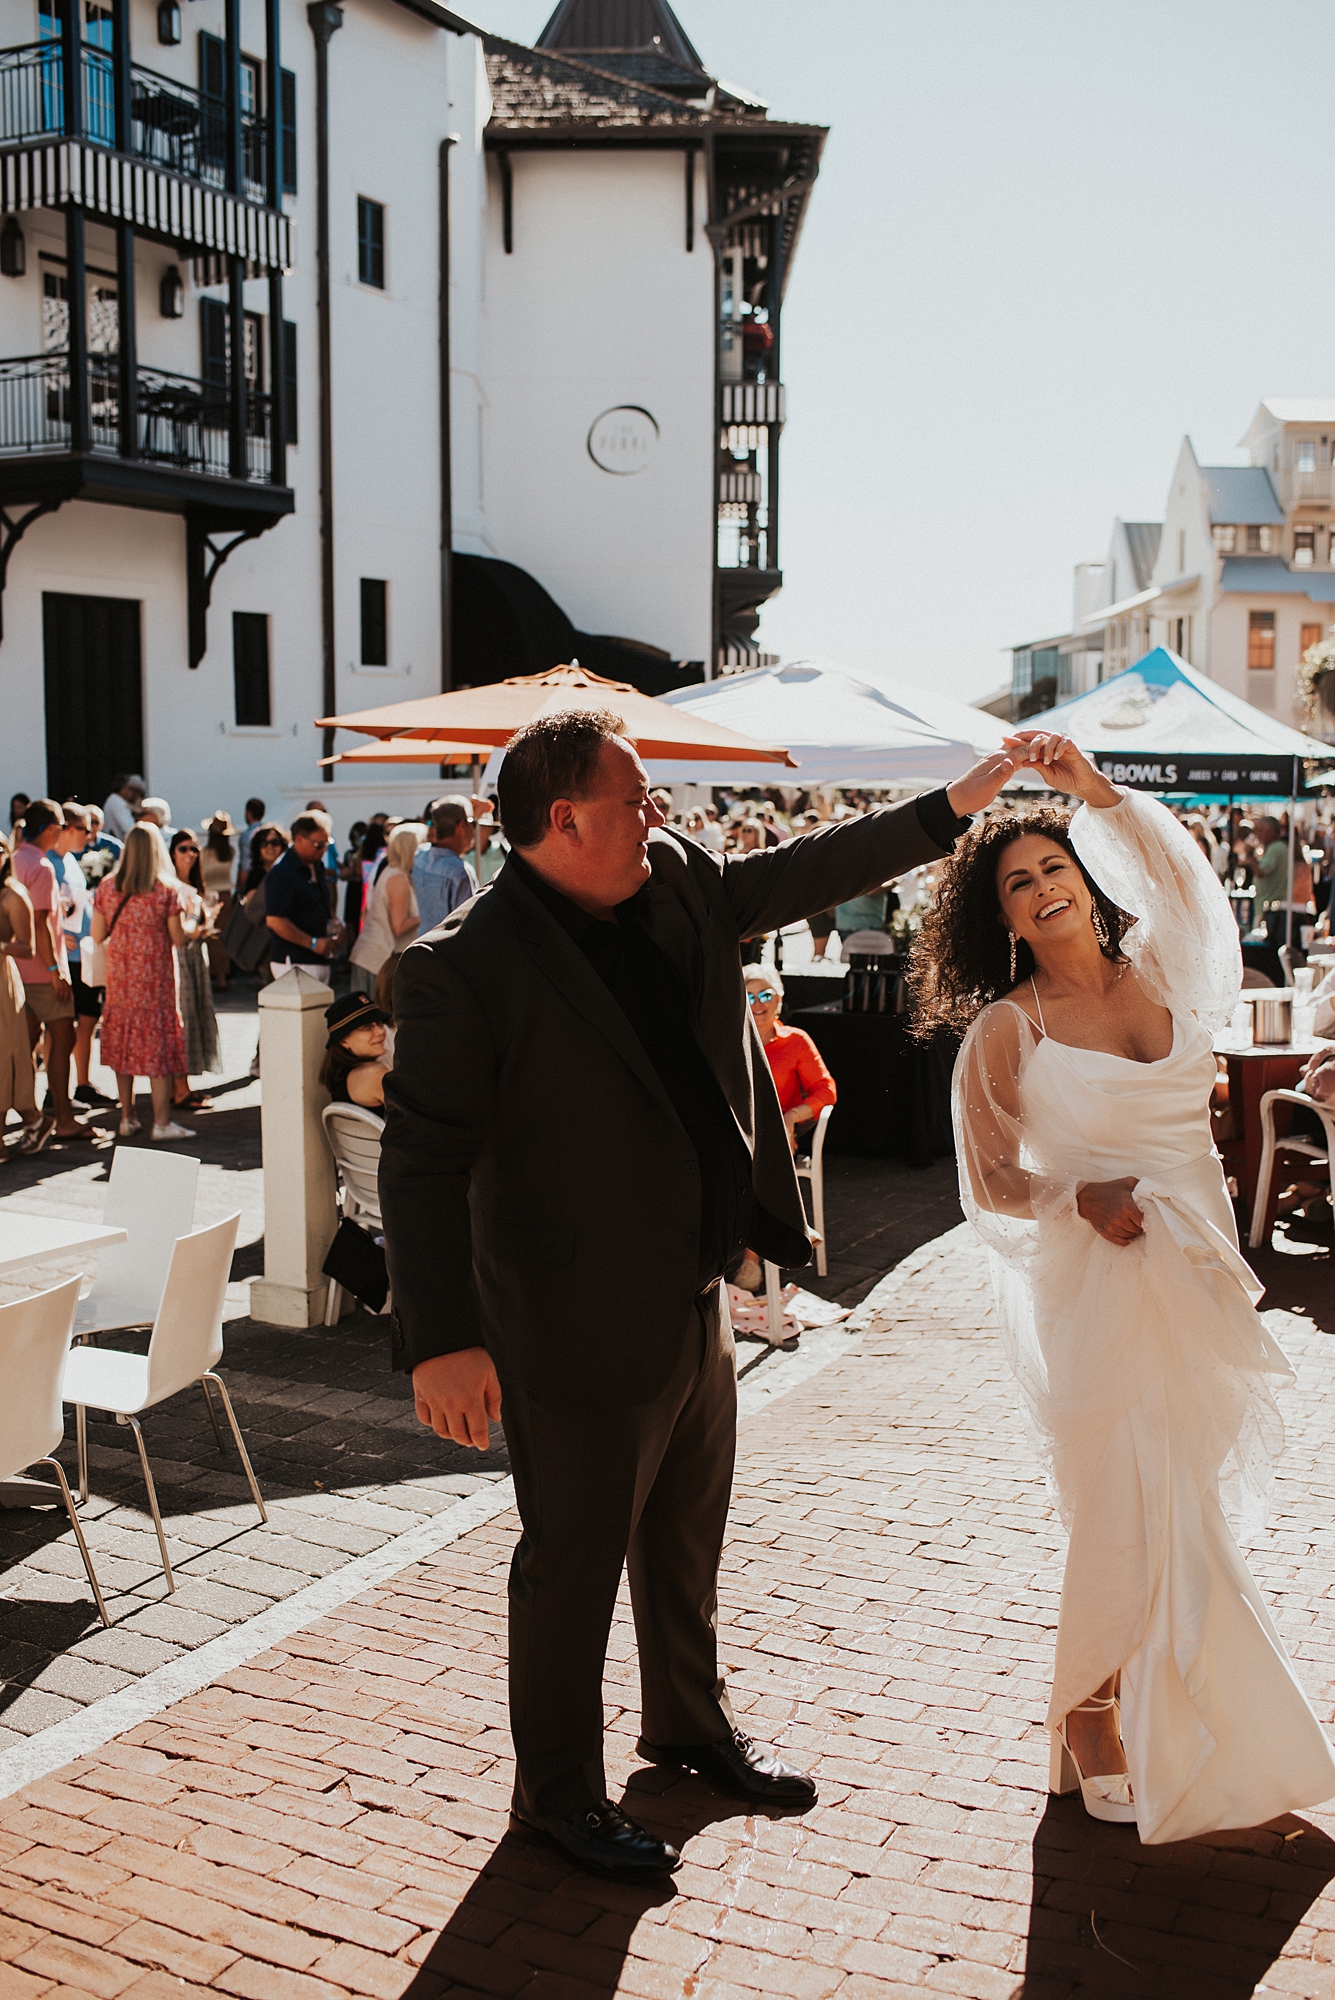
point(171, 125)
point(181, 423)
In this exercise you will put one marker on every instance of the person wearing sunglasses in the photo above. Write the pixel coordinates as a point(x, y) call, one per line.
point(297, 906)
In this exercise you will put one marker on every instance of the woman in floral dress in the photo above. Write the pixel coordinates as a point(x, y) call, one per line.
point(137, 914)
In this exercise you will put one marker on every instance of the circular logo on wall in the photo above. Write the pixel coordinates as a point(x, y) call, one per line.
point(623, 440)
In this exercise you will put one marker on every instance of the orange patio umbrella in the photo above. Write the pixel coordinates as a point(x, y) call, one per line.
point(474, 721)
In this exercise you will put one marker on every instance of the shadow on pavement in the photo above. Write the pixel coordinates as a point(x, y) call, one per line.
point(530, 1916)
point(1202, 1916)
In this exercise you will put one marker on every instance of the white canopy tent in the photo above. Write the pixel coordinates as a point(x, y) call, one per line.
point(840, 728)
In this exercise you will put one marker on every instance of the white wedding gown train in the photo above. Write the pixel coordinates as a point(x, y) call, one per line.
point(1145, 1373)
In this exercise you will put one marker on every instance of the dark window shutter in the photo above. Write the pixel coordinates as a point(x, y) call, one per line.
point(212, 66)
point(213, 361)
point(287, 111)
point(290, 381)
point(212, 140)
point(375, 622)
point(250, 669)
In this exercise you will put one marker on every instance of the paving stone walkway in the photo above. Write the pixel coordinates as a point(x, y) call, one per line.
point(330, 1817)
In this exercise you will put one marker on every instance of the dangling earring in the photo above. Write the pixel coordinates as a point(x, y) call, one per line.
point(1011, 935)
point(1096, 917)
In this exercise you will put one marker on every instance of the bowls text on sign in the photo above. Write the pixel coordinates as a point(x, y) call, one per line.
point(623, 440)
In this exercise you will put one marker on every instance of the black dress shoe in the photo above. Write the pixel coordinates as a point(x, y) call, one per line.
point(736, 1765)
point(603, 1840)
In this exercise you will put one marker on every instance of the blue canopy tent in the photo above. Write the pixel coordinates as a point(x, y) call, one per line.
point(1162, 727)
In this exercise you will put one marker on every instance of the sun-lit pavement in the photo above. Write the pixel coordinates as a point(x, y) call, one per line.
point(329, 1818)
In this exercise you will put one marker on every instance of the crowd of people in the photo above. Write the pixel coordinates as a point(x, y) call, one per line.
point(115, 922)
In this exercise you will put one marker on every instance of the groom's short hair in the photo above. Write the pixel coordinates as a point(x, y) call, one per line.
point(553, 757)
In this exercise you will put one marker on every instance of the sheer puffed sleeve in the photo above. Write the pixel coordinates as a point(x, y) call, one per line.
point(1004, 1196)
point(1185, 943)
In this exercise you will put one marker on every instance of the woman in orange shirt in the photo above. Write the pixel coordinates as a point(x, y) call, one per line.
point(804, 1084)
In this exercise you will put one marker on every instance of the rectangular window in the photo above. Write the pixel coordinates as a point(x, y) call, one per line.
point(1306, 459)
point(1311, 636)
point(375, 622)
point(1225, 539)
point(250, 668)
point(1261, 641)
point(371, 242)
point(290, 381)
point(1260, 541)
point(287, 116)
point(1304, 547)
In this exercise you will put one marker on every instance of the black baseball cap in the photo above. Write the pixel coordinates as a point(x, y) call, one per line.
point(354, 1010)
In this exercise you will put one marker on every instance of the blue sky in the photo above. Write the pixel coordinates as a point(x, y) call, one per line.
point(1050, 237)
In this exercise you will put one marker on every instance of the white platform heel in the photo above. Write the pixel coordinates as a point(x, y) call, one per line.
point(1107, 1797)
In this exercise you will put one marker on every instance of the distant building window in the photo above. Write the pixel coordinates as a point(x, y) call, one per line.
point(1304, 547)
point(371, 242)
point(375, 622)
point(1260, 541)
point(1261, 641)
point(1310, 636)
point(250, 668)
point(1225, 539)
point(1306, 459)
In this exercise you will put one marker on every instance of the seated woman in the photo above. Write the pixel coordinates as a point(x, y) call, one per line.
point(357, 1053)
point(804, 1084)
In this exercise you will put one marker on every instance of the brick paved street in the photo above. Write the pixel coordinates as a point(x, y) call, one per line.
point(329, 1817)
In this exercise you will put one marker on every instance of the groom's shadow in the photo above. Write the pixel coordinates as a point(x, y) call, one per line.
point(529, 1914)
point(1209, 1915)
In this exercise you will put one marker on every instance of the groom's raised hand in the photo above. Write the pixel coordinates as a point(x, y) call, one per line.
point(459, 1396)
point(981, 783)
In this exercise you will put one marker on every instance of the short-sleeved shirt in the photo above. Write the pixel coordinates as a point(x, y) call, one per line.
point(293, 891)
point(441, 881)
point(1272, 875)
point(861, 913)
point(37, 872)
point(79, 919)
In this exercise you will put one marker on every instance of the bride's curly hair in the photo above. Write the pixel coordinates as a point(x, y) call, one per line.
point(961, 958)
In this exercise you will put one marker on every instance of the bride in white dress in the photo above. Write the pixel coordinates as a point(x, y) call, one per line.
point(1093, 964)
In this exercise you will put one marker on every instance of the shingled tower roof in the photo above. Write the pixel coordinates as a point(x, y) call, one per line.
point(641, 40)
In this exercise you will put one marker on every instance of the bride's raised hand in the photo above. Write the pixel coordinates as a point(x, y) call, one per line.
point(1061, 765)
point(1107, 1206)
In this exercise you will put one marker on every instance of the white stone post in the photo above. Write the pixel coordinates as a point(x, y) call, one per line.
point(300, 1211)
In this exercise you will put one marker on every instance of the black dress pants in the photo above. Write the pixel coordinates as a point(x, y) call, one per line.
point(645, 1487)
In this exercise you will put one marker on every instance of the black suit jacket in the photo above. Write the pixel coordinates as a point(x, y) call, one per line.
point(539, 1192)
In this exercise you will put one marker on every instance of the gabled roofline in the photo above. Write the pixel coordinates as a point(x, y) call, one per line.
point(440, 17)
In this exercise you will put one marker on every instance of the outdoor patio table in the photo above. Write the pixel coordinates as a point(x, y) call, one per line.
point(894, 1094)
point(1252, 1070)
point(28, 1239)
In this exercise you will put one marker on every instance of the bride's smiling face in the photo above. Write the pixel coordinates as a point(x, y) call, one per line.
point(1043, 895)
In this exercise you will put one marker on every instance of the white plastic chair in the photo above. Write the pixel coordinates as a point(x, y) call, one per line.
point(34, 1341)
point(187, 1342)
point(151, 1196)
point(813, 1170)
point(1288, 1151)
point(354, 1135)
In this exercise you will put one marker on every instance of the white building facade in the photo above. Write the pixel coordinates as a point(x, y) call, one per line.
point(365, 201)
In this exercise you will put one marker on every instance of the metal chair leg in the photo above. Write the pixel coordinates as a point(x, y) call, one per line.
point(68, 1498)
point(333, 1303)
point(773, 1304)
point(242, 1453)
point(213, 1414)
point(81, 1427)
point(133, 1422)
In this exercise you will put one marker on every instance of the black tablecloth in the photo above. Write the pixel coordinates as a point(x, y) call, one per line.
point(894, 1094)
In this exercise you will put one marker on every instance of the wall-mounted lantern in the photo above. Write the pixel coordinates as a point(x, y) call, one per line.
point(169, 23)
point(171, 294)
point(13, 249)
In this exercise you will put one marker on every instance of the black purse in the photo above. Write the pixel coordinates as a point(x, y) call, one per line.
point(357, 1262)
point(246, 944)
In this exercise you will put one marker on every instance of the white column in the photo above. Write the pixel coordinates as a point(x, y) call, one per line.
point(300, 1214)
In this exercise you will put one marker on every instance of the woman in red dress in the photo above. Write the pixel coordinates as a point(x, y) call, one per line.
point(137, 914)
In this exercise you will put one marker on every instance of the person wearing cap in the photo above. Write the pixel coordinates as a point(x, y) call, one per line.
point(47, 990)
point(355, 1058)
point(442, 879)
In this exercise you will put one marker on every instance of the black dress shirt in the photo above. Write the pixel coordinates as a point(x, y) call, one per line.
point(649, 991)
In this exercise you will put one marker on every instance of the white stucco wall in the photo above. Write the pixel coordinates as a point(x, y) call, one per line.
point(600, 305)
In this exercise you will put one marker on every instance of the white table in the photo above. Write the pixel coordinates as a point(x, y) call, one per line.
point(27, 1239)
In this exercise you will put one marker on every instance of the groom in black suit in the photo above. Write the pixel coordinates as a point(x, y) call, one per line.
point(581, 1138)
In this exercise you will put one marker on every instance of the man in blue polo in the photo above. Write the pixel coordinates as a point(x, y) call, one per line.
point(296, 901)
point(442, 879)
